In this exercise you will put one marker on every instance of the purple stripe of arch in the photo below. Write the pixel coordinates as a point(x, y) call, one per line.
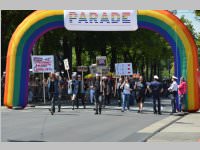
point(26, 61)
point(38, 33)
point(169, 39)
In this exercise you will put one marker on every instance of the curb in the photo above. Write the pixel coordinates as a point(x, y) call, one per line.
point(181, 115)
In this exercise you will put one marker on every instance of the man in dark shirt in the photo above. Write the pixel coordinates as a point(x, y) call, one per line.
point(80, 94)
point(132, 95)
point(156, 88)
point(98, 94)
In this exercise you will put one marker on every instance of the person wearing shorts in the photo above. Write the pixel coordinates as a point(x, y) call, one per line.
point(141, 91)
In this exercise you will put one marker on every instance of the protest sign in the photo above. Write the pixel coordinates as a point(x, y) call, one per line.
point(42, 63)
point(123, 69)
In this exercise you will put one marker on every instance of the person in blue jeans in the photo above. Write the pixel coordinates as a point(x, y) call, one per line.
point(126, 94)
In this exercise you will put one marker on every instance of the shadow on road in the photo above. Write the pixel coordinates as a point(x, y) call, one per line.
point(58, 114)
point(25, 141)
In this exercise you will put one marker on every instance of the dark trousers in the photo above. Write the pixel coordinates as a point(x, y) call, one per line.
point(156, 98)
point(53, 99)
point(80, 96)
point(132, 98)
point(173, 101)
point(107, 99)
point(98, 102)
point(119, 97)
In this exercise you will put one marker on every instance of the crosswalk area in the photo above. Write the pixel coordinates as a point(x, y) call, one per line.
point(148, 108)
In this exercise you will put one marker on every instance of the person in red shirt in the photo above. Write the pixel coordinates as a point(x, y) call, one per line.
point(182, 90)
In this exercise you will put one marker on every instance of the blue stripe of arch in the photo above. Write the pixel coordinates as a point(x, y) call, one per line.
point(25, 66)
point(169, 39)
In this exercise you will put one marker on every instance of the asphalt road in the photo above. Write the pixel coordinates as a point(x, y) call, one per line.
point(79, 125)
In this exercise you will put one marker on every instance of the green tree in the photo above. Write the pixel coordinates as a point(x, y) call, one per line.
point(10, 19)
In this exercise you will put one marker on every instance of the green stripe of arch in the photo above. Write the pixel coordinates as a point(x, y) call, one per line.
point(173, 34)
point(47, 20)
point(20, 50)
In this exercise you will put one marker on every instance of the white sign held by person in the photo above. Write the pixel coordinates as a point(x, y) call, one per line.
point(101, 20)
point(42, 63)
point(123, 69)
point(66, 64)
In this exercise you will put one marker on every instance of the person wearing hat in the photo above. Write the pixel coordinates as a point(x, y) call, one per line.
point(156, 88)
point(173, 89)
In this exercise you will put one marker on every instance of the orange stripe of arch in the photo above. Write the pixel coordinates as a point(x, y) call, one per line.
point(194, 53)
point(193, 47)
point(10, 56)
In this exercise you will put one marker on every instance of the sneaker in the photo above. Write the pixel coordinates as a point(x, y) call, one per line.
point(51, 111)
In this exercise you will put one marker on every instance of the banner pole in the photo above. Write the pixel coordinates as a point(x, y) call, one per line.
point(68, 74)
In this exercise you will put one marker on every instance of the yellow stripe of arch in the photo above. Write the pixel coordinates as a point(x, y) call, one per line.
point(39, 15)
point(187, 45)
point(21, 29)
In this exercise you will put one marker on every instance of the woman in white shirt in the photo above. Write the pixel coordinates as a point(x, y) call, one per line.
point(126, 94)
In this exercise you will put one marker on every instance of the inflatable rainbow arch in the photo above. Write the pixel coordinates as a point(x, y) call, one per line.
point(40, 22)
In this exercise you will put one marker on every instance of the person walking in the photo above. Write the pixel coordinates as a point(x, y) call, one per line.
point(104, 87)
point(61, 91)
point(53, 91)
point(126, 94)
point(80, 94)
point(173, 89)
point(156, 88)
point(132, 95)
point(182, 90)
point(74, 85)
point(141, 91)
point(98, 94)
point(119, 91)
point(91, 90)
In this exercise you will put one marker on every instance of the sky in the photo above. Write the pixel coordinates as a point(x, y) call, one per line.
point(189, 14)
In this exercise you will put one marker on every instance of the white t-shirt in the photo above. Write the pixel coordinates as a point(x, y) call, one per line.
point(173, 86)
point(126, 88)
